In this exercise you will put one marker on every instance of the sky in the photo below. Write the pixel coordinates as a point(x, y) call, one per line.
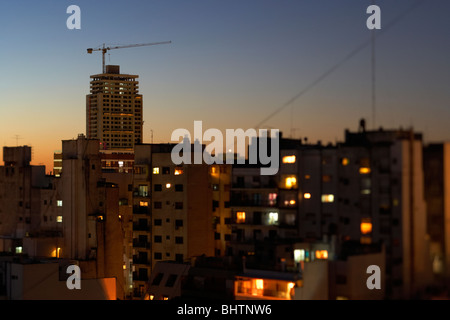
point(231, 64)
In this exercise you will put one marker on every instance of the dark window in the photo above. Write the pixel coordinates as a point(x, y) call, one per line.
point(165, 170)
point(179, 258)
point(179, 240)
point(178, 187)
point(178, 223)
point(178, 205)
point(158, 239)
point(157, 204)
point(228, 237)
point(158, 187)
point(157, 280)
point(158, 255)
point(216, 235)
point(158, 222)
point(171, 280)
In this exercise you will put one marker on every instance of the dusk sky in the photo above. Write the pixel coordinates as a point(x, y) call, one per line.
point(231, 63)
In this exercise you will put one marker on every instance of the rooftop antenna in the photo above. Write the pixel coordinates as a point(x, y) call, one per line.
point(17, 137)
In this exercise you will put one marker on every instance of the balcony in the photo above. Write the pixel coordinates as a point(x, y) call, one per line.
point(141, 210)
point(141, 244)
point(141, 227)
point(139, 277)
point(140, 260)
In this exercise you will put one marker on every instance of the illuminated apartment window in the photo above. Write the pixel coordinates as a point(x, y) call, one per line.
point(290, 182)
point(321, 254)
point(272, 199)
point(178, 171)
point(364, 170)
point(143, 203)
point(299, 255)
point(18, 249)
point(366, 240)
point(120, 164)
point(289, 159)
point(168, 185)
point(273, 218)
point(307, 195)
point(59, 203)
point(155, 170)
point(59, 219)
point(366, 226)
point(345, 161)
point(143, 191)
point(307, 176)
point(289, 202)
point(327, 198)
point(259, 284)
point(240, 217)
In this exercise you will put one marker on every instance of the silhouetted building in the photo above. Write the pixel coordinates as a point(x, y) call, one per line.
point(437, 195)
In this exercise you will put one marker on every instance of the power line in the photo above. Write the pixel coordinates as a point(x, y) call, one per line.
point(350, 55)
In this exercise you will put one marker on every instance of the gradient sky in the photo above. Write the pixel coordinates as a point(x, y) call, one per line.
point(231, 64)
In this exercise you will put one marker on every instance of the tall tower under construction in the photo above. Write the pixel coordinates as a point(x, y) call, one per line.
point(114, 110)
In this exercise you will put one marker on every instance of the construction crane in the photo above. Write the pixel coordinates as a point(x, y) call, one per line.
point(105, 49)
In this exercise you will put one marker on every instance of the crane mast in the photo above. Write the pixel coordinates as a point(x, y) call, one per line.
point(105, 49)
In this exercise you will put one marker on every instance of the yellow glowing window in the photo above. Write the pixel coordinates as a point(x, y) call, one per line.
point(345, 161)
point(364, 170)
point(240, 217)
point(292, 202)
point(366, 226)
point(327, 198)
point(290, 182)
point(178, 171)
point(307, 176)
point(59, 219)
point(289, 159)
point(259, 284)
point(307, 195)
point(143, 203)
point(321, 254)
point(366, 240)
point(168, 185)
point(156, 170)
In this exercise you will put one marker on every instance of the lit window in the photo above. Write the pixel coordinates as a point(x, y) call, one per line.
point(321, 254)
point(345, 161)
point(273, 217)
point(272, 199)
point(291, 182)
point(307, 176)
point(59, 203)
point(259, 284)
point(307, 195)
point(120, 164)
point(143, 203)
point(289, 159)
point(299, 255)
point(364, 170)
point(178, 171)
point(366, 240)
point(156, 170)
point(18, 249)
point(168, 185)
point(240, 217)
point(327, 198)
point(59, 219)
point(366, 226)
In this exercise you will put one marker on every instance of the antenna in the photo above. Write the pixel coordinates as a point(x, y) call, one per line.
point(17, 137)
